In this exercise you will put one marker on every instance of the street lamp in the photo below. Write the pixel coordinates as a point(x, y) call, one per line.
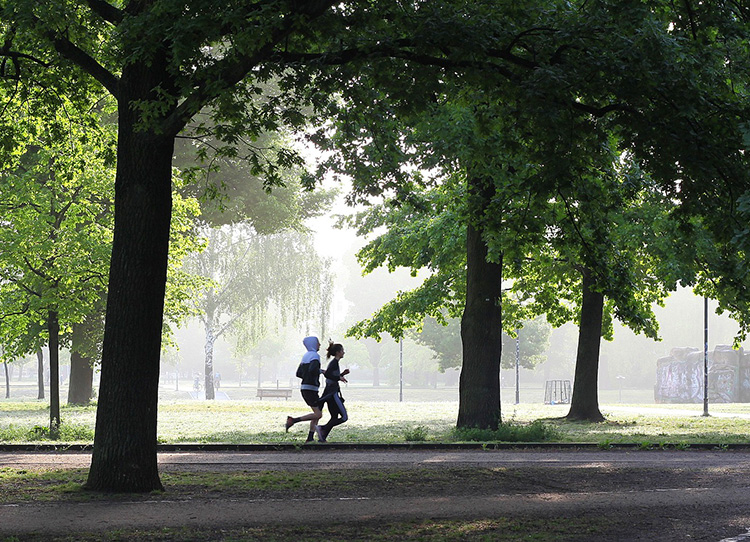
point(705, 356)
point(401, 371)
point(518, 362)
point(620, 378)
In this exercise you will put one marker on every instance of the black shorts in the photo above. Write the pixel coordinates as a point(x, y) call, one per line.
point(311, 398)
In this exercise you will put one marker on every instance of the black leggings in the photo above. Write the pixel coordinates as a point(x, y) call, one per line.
point(337, 410)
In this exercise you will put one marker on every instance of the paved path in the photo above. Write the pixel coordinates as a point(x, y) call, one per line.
point(713, 505)
point(320, 457)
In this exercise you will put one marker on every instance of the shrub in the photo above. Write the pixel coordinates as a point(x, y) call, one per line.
point(536, 431)
point(416, 434)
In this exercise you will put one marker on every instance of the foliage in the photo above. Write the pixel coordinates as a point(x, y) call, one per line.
point(182, 288)
point(231, 187)
point(416, 434)
point(559, 110)
point(57, 232)
point(58, 223)
point(445, 342)
point(248, 274)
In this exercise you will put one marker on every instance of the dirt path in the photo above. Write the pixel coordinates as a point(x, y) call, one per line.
point(657, 495)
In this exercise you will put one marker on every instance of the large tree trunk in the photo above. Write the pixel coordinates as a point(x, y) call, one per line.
point(81, 367)
point(584, 404)
point(124, 456)
point(481, 332)
point(53, 328)
point(40, 372)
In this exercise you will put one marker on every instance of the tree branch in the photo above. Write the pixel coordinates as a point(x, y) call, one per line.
point(106, 11)
point(86, 62)
point(26, 288)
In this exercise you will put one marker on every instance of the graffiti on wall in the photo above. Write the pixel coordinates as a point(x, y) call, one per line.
point(679, 376)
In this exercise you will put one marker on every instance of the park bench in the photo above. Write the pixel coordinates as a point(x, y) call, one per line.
point(286, 393)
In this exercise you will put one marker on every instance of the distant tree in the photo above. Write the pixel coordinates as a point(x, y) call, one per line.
point(445, 342)
point(56, 238)
point(365, 294)
point(246, 275)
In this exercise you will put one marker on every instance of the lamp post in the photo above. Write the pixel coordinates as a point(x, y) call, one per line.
point(518, 362)
point(705, 356)
point(401, 371)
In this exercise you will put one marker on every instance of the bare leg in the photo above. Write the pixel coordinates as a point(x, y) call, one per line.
point(313, 417)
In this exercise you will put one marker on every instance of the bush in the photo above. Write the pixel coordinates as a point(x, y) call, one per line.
point(416, 434)
point(535, 431)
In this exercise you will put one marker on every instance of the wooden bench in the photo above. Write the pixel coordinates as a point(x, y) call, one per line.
point(286, 393)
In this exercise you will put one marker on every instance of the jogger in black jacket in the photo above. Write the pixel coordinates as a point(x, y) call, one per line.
point(332, 392)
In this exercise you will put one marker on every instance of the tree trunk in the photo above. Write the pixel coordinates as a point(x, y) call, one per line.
point(209, 362)
point(124, 456)
point(584, 404)
point(7, 380)
point(481, 322)
point(81, 368)
point(481, 336)
point(40, 372)
point(375, 353)
point(53, 328)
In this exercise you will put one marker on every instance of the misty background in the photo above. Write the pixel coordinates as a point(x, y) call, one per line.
point(628, 363)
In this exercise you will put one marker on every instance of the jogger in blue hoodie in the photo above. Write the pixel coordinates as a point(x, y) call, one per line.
point(310, 369)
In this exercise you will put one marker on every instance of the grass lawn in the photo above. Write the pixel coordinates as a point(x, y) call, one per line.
point(427, 415)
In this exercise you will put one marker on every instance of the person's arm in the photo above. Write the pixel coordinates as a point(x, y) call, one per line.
point(332, 372)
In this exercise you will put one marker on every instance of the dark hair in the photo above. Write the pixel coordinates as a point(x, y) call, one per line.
point(333, 349)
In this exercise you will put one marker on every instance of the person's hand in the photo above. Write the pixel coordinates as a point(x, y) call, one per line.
point(344, 379)
point(345, 372)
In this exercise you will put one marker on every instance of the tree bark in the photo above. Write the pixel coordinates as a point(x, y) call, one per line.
point(81, 368)
point(209, 363)
point(481, 326)
point(53, 328)
point(584, 404)
point(40, 372)
point(124, 456)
